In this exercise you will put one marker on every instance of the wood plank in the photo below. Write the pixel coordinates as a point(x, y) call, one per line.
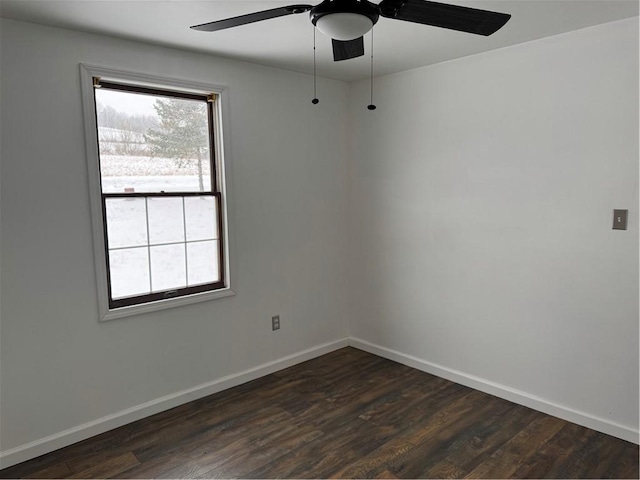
point(508, 458)
point(477, 444)
point(445, 469)
point(341, 442)
point(554, 458)
point(104, 441)
point(228, 451)
point(167, 453)
point(221, 406)
point(472, 419)
point(424, 425)
point(213, 426)
point(386, 474)
point(273, 449)
point(59, 470)
point(598, 458)
point(108, 467)
point(627, 465)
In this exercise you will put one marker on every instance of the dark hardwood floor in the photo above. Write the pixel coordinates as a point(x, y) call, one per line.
point(347, 414)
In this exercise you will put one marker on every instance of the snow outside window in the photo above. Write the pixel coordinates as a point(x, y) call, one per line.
point(161, 202)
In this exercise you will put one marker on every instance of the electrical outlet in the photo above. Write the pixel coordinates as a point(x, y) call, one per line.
point(275, 322)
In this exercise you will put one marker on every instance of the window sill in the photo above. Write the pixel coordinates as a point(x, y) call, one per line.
point(164, 304)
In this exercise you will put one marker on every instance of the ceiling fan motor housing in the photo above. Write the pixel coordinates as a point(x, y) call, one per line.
point(349, 11)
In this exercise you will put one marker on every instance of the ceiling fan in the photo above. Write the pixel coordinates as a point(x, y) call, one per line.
point(346, 21)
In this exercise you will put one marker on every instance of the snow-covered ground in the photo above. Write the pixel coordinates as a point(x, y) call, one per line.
point(173, 183)
point(147, 174)
point(118, 165)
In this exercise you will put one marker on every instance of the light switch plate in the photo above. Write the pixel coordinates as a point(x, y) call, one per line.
point(620, 219)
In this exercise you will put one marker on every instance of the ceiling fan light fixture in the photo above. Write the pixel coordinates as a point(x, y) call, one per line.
point(344, 25)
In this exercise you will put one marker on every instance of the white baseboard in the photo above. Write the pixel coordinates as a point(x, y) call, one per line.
point(516, 396)
point(81, 432)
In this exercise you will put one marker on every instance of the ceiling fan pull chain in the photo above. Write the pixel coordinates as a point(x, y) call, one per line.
point(315, 95)
point(371, 106)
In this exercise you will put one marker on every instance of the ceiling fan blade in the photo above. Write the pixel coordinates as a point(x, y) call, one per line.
point(344, 50)
point(251, 18)
point(454, 17)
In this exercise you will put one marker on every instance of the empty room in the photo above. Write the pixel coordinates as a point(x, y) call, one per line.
point(348, 239)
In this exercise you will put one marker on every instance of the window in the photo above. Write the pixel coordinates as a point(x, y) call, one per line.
point(161, 202)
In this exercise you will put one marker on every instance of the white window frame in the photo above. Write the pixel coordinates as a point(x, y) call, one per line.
point(222, 159)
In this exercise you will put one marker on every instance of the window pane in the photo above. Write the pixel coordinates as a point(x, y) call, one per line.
point(129, 271)
point(152, 143)
point(166, 222)
point(203, 262)
point(168, 267)
point(201, 218)
point(126, 222)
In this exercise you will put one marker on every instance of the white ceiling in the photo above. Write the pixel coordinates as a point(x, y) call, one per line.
point(287, 42)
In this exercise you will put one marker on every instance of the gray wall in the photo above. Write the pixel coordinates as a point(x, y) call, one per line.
point(60, 367)
point(481, 203)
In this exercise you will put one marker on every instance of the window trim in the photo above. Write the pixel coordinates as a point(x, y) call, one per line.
point(221, 158)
